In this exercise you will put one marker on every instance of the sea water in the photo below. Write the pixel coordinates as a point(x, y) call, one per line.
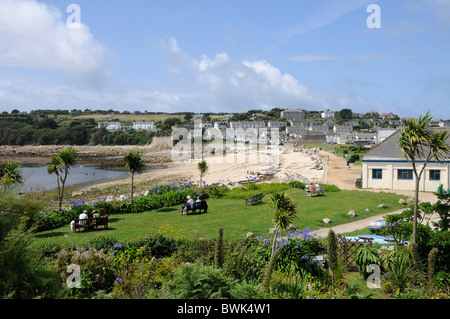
point(36, 177)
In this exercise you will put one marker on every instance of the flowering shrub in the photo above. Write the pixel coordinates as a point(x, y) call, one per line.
point(157, 197)
point(297, 248)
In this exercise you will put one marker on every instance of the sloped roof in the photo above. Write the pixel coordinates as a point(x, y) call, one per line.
point(389, 149)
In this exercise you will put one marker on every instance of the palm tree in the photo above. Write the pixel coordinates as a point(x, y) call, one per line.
point(420, 143)
point(60, 166)
point(203, 168)
point(55, 168)
point(284, 214)
point(135, 164)
point(10, 174)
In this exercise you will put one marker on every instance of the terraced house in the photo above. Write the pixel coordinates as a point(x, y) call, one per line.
point(385, 167)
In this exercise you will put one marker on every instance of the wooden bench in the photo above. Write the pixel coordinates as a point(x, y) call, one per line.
point(317, 191)
point(197, 208)
point(90, 223)
point(254, 199)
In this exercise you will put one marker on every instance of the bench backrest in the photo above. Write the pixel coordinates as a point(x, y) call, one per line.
point(200, 205)
point(77, 221)
point(258, 196)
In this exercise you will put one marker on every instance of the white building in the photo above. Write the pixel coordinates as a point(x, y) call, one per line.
point(444, 123)
point(385, 167)
point(110, 125)
point(384, 133)
point(247, 124)
point(144, 125)
point(221, 125)
point(327, 114)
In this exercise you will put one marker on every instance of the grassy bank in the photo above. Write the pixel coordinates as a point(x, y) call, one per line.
point(233, 215)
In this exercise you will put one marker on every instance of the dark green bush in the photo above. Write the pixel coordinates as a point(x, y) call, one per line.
point(354, 158)
point(331, 188)
point(296, 184)
point(159, 245)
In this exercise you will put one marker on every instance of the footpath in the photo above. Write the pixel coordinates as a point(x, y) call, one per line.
point(338, 174)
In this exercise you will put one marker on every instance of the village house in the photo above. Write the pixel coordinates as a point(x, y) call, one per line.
point(247, 124)
point(144, 125)
point(292, 131)
point(343, 129)
point(307, 137)
point(221, 125)
point(306, 124)
point(327, 114)
point(276, 124)
point(386, 167)
point(293, 114)
point(110, 125)
point(443, 123)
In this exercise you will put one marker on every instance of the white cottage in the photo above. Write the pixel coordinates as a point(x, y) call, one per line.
point(386, 167)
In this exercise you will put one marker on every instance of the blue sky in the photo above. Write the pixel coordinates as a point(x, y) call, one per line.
point(226, 56)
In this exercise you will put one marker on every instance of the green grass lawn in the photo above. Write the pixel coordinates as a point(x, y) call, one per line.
point(233, 215)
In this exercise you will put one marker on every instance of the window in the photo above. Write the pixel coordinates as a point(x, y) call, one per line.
point(435, 175)
point(377, 173)
point(405, 174)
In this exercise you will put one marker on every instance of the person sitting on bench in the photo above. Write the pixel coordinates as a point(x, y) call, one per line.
point(189, 202)
point(83, 216)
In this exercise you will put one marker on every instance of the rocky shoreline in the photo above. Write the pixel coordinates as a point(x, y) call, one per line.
point(87, 154)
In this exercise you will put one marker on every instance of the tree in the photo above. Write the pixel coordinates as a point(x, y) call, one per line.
point(134, 162)
point(203, 168)
point(420, 143)
point(10, 174)
point(284, 214)
point(346, 114)
point(60, 166)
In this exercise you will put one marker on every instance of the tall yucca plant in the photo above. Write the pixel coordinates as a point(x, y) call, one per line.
point(135, 163)
point(420, 143)
point(332, 255)
point(284, 215)
point(60, 165)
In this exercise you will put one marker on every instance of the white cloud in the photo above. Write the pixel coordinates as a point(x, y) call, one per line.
point(35, 35)
point(223, 84)
point(205, 84)
point(441, 8)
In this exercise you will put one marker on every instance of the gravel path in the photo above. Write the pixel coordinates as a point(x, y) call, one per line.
point(337, 174)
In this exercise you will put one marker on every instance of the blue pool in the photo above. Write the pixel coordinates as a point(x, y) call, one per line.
point(377, 239)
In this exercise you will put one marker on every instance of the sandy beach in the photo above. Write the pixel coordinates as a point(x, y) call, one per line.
point(292, 165)
point(288, 164)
